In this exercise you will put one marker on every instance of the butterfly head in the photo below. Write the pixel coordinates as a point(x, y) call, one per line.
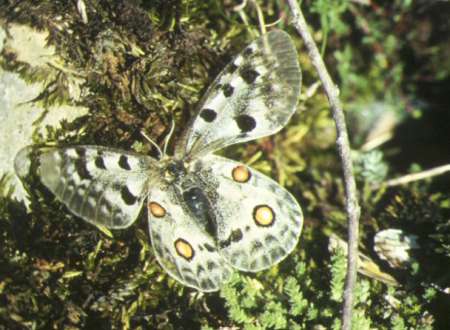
point(173, 169)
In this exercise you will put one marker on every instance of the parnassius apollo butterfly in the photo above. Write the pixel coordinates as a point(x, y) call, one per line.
point(207, 214)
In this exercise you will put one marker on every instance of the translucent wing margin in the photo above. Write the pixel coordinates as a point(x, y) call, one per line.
point(254, 96)
point(100, 185)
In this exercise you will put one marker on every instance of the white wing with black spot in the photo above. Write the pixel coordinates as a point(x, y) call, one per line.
point(254, 96)
point(101, 185)
point(258, 221)
point(183, 248)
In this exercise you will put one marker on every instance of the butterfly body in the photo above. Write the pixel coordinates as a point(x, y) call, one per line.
point(207, 214)
point(185, 181)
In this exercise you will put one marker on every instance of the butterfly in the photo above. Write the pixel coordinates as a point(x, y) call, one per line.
point(207, 214)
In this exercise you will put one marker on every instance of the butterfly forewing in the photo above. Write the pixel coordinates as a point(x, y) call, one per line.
point(101, 185)
point(254, 96)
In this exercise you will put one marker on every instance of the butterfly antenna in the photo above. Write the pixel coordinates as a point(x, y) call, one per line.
point(169, 136)
point(153, 143)
point(262, 23)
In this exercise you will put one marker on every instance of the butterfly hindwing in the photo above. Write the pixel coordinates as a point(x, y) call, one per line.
point(101, 185)
point(254, 96)
point(182, 247)
point(258, 221)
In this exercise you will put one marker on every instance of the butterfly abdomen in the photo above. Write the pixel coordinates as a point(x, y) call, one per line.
point(200, 207)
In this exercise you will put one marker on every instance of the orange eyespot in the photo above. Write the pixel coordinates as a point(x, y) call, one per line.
point(263, 215)
point(184, 249)
point(241, 174)
point(156, 209)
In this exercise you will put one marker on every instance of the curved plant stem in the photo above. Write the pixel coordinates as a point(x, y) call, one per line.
point(343, 145)
point(417, 176)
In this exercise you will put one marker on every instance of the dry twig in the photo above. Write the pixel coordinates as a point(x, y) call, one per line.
point(343, 145)
point(417, 176)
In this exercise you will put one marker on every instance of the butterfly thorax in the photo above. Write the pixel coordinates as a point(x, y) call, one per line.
point(173, 170)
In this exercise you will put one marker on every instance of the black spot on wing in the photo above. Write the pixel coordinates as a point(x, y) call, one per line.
point(127, 196)
point(231, 68)
point(245, 123)
point(208, 115)
point(99, 163)
point(123, 162)
point(209, 248)
point(235, 236)
point(247, 52)
point(248, 74)
point(82, 171)
point(227, 90)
